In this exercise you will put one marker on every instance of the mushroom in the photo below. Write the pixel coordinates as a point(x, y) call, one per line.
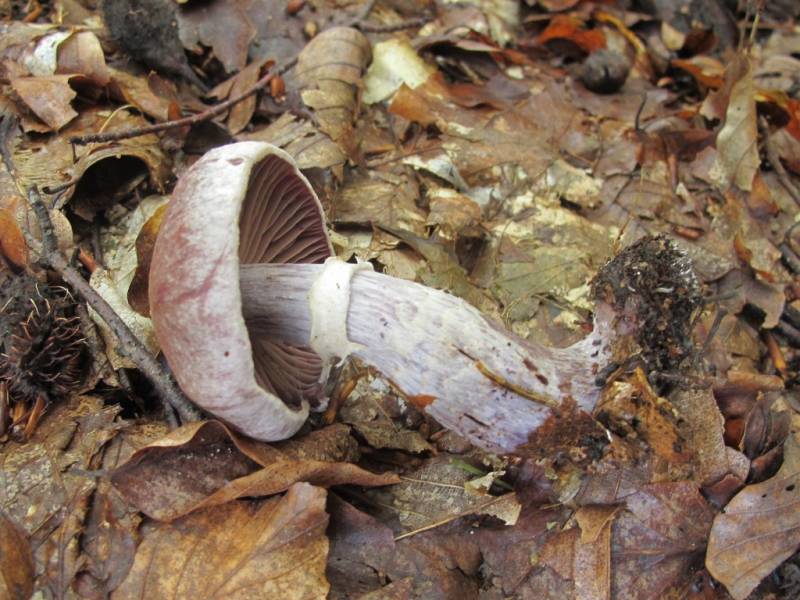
point(242, 203)
point(227, 283)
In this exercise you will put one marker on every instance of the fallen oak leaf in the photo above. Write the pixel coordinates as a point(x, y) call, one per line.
point(271, 549)
point(758, 529)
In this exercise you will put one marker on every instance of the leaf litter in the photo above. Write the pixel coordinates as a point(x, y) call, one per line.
point(502, 152)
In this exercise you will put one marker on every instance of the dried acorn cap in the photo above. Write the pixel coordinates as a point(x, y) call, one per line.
point(42, 350)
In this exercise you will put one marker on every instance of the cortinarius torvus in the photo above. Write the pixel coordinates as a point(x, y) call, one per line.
point(245, 205)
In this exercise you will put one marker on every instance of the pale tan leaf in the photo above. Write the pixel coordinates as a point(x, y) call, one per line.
point(738, 161)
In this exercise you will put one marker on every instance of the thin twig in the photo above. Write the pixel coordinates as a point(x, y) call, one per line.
point(450, 518)
point(52, 257)
point(410, 24)
point(61, 186)
point(362, 14)
point(206, 115)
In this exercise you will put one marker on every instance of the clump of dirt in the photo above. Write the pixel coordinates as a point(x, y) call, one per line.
point(652, 286)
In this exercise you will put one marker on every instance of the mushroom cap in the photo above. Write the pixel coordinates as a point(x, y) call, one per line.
point(245, 202)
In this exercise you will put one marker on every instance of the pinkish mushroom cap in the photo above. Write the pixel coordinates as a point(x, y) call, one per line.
point(270, 213)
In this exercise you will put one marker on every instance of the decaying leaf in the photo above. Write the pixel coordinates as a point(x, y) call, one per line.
point(738, 159)
point(204, 464)
point(49, 98)
point(224, 26)
point(16, 561)
point(271, 549)
point(364, 557)
point(328, 74)
point(145, 240)
point(394, 62)
point(438, 493)
point(300, 138)
point(758, 529)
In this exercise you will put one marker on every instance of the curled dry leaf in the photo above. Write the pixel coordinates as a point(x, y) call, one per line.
point(105, 172)
point(204, 464)
point(49, 98)
point(328, 74)
point(82, 54)
point(16, 561)
point(271, 549)
point(737, 144)
point(122, 255)
point(145, 240)
point(758, 529)
point(394, 62)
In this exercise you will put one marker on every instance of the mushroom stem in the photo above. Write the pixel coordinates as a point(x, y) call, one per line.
point(473, 376)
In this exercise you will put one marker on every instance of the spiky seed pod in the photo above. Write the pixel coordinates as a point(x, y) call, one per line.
point(42, 351)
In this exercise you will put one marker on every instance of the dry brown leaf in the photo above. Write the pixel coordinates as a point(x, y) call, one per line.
point(533, 559)
point(12, 241)
point(138, 289)
point(437, 494)
point(108, 542)
point(737, 143)
point(16, 561)
point(34, 489)
point(204, 464)
point(224, 26)
point(137, 90)
point(701, 425)
point(328, 75)
point(271, 549)
point(436, 565)
point(242, 112)
point(282, 474)
point(49, 98)
point(658, 540)
point(592, 567)
point(300, 138)
point(82, 54)
point(758, 529)
point(385, 199)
